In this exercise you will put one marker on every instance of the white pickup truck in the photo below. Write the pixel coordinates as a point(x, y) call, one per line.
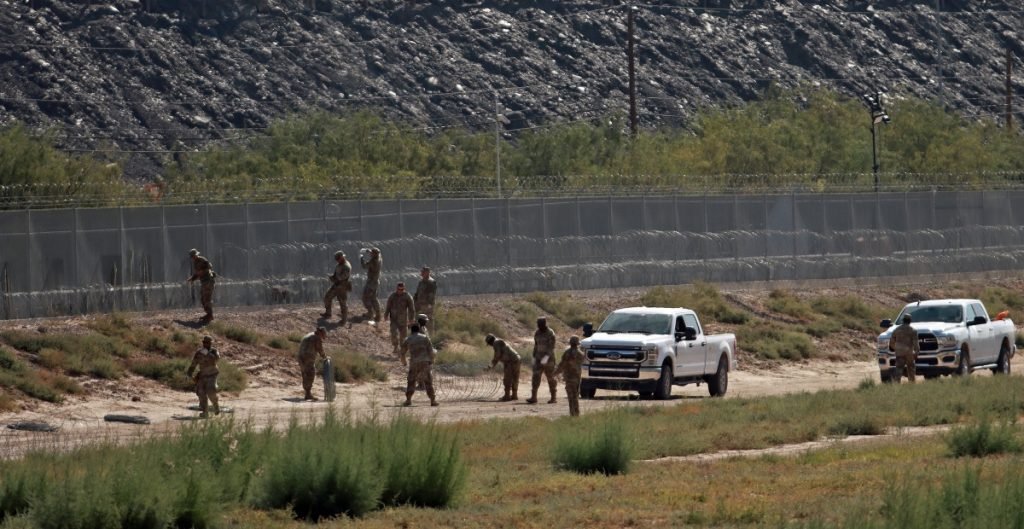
point(957, 336)
point(649, 349)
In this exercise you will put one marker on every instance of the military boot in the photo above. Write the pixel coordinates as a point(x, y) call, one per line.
point(216, 408)
point(533, 398)
point(325, 315)
point(553, 399)
point(505, 398)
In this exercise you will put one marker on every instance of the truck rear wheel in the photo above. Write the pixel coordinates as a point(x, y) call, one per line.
point(718, 384)
point(664, 389)
point(588, 393)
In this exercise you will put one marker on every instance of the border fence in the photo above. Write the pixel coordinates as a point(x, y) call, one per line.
point(82, 260)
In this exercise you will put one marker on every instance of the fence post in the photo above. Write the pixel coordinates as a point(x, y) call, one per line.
point(74, 244)
point(611, 237)
point(28, 253)
point(248, 255)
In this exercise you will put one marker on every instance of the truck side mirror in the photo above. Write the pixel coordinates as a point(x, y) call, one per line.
point(979, 320)
point(690, 333)
point(886, 324)
point(588, 330)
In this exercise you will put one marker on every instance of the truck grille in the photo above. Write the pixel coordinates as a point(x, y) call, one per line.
point(605, 369)
point(616, 355)
point(928, 342)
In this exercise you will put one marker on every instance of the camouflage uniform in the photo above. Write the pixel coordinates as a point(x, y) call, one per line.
point(203, 271)
point(543, 363)
point(571, 368)
point(421, 360)
point(341, 285)
point(905, 343)
point(426, 291)
point(510, 361)
point(205, 358)
point(370, 301)
point(310, 347)
point(400, 312)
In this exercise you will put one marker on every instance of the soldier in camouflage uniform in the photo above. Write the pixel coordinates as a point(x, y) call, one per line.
point(422, 320)
point(510, 361)
point(205, 359)
point(426, 291)
point(543, 360)
point(310, 348)
point(203, 271)
point(905, 343)
point(571, 369)
point(341, 285)
point(373, 266)
point(421, 360)
point(399, 311)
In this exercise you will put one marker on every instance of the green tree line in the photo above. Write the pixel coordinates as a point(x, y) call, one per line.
point(811, 139)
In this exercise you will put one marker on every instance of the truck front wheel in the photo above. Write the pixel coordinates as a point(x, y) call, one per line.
point(664, 389)
point(719, 382)
point(964, 367)
point(588, 393)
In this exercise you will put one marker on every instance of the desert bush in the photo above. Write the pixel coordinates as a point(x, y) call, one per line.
point(594, 448)
point(701, 297)
point(463, 326)
point(233, 332)
point(279, 342)
point(571, 313)
point(823, 327)
point(997, 299)
point(850, 311)
point(784, 302)
point(171, 372)
point(7, 402)
point(424, 467)
point(355, 367)
point(527, 314)
point(773, 341)
point(89, 345)
point(982, 439)
point(855, 423)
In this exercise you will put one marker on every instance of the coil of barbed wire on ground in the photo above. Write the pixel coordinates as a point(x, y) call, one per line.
point(456, 382)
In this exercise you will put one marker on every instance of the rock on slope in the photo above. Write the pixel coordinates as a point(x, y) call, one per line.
point(156, 75)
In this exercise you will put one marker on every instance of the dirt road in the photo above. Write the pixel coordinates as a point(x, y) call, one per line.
point(269, 401)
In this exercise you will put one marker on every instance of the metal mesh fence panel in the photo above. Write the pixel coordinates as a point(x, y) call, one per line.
point(136, 258)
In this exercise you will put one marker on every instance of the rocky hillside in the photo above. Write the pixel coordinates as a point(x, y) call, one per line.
point(146, 78)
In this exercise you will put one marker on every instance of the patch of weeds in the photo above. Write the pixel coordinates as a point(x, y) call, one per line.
point(233, 332)
point(997, 299)
point(526, 314)
point(463, 361)
point(701, 297)
point(866, 383)
point(31, 384)
point(588, 449)
point(279, 342)
point(823, 327)
point(850, 311)
point(81, 363)
point(463, 326)
point(116, 325)
point(982, 439)
point(858, 424)
point(570, 312)
point(784, 302)
point(773, 341)
point(355, 367)
point(7, 403)
point(171, 372)
point(294, 337)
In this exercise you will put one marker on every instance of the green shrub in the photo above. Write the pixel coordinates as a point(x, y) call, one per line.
point(463, 326)
point(171, 372)
point(527, 314)
point(7, 402)
point(231, 332)
point(823, 327)
point(997, 299)
point(570, 312)
point(89, 345)
point(773, 341)
point(355, 367)
point(424, 467)
point(9, 361)
point(278, 342)
point(701, 297)
point(982, 439)
point(465, 361)
point(855, 423)
point(784, 302)
point(588, 448)
point(850, 311)
point(30, 383)
point(81, 363)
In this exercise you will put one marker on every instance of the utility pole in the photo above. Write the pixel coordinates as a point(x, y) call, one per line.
point(878, 115)
point(630, 52)
point(1009, 91)
point(941, 49)
point(497, 141)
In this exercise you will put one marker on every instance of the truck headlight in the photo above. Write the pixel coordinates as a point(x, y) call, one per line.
point(649, 353)
point(883, 344)
point(946, 342)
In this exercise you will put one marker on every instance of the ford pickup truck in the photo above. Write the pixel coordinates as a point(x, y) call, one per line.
point(649, 349)
point(956, 336)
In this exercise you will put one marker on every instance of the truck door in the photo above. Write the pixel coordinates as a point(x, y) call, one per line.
point(978, 335)
point(689, 353)
point(992, 339)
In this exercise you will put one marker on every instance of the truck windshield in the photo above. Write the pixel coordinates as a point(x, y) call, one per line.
point(637, 323)
point(942, 313)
